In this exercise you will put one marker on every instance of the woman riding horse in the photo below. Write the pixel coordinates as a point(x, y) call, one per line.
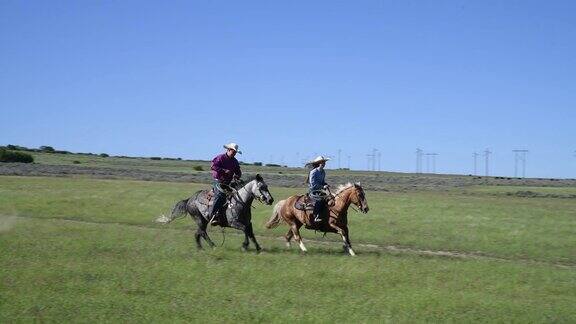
point(317, 184)
point(295, 216)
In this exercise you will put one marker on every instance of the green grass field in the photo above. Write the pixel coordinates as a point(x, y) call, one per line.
point(84, 250)
point(513, 189)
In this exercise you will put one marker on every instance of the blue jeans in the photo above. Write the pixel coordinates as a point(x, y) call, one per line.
point(319, 206)
point(219, 200)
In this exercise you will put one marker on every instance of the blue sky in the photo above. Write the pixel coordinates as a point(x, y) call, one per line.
point(291, 79)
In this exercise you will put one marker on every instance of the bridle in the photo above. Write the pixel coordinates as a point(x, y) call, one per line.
point(333, 197)
point(261, 193)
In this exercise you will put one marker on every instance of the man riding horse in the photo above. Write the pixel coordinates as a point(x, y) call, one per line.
point(317, 185)
point(225, 169)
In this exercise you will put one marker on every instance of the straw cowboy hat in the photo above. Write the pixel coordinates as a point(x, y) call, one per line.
point(318, 159)
point(232, 146)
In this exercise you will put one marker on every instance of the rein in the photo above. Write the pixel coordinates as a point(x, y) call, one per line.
point(239, 198)
point(236, 194)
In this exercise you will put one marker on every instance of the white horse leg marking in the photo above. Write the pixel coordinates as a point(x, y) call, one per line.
point(288, 244)
point(349, 248)
point(302, 247)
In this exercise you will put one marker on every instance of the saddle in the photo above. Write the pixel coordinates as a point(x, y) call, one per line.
point(207, 198)
point(304, 202)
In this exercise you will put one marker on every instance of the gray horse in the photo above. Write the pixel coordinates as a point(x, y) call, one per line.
point(238, 211)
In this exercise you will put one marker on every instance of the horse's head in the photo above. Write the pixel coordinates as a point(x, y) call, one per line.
point(260, 190)
point(358, 198)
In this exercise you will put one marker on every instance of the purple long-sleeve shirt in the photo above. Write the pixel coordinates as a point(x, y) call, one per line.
point(223, 162)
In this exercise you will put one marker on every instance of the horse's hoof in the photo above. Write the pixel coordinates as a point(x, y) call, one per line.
point(244, 249)
point(348, 250)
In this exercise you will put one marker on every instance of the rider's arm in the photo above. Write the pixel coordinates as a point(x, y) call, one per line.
point(217, 165)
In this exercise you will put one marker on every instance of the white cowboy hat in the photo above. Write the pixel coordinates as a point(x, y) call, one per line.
point(318, 159)
point(232, 146)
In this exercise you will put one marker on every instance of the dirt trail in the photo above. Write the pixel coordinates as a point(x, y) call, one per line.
point(336, 243)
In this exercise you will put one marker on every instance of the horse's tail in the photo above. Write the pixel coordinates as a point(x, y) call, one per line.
point(178, 211)
point(275, 220)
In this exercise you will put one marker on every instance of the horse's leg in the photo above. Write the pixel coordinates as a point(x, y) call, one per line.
point(246, 242)
point(250, 232)
point(239, 226)
point(288, 237)
point(344, 234)
point(204, 233)
point(201, 223)
point(198, 234)
point(297, 237)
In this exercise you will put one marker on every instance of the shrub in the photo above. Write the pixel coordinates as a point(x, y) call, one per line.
point(11, 156)
point(76, 162)
point(48, 149)
point(104, 155)
point(155, 158)
point(272, 165)
point(19, 148)
point(258, 163)
point(198, 168)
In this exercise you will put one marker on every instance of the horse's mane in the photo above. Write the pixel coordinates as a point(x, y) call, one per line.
point(343, 187)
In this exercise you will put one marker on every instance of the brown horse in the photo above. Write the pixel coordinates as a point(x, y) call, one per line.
point(337, 222)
